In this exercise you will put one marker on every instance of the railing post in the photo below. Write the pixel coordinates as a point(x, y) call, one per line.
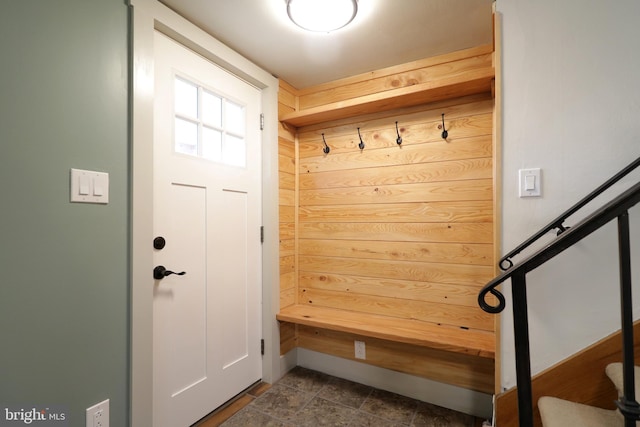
point(521, 339)
point(627, 404)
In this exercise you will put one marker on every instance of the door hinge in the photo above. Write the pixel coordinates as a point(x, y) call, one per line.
point(262, 346)
point(261, 121)
point(262, 234)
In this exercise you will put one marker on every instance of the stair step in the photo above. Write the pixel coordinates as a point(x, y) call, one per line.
point(614, 372)
point(562, 413)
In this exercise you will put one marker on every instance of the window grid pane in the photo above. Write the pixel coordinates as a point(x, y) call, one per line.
point(211, 144)
point(186, 99)
point(186, 137)
point(211, 109)
point(235, 118)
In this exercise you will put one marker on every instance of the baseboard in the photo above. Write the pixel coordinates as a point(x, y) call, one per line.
point(445, 395)
point(288, 362)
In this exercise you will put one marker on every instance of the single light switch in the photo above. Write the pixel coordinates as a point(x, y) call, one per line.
point(85, 182)
point(97, 189)
point(529, 183)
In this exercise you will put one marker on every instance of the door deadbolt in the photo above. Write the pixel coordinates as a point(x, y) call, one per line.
point(159, 242)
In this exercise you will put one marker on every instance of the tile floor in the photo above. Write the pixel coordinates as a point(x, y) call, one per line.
point(308, 398)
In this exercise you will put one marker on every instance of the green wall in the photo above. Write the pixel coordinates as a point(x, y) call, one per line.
point(63, 266)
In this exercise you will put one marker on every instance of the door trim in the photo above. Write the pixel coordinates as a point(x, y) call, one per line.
point(146, 16)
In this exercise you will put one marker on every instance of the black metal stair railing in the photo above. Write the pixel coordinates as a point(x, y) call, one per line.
point(615, 209)
point(506, 263)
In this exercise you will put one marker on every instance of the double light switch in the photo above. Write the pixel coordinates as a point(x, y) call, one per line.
point(89, 186)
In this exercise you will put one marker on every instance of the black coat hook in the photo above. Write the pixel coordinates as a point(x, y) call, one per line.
point(399, 138)
point(361, 145)
point(445, 133)
point(326, 148)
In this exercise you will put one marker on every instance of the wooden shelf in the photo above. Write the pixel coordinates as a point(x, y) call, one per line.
point(466, 341)
point(470, 83)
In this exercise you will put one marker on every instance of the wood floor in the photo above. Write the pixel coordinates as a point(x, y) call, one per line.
point(227, 411)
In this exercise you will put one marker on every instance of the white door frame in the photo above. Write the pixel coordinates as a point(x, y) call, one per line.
point(146, 17)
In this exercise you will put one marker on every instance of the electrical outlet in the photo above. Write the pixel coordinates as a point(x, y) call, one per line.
point(361, 351)
point(98, 415)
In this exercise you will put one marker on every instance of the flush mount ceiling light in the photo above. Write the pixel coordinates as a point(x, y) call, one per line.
point(322, 15)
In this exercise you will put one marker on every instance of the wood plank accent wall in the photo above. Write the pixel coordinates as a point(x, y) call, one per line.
point(287, 212)
point(403, 231)
point(451, 368)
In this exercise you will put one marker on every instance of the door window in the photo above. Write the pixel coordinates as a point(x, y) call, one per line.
point(208, 125)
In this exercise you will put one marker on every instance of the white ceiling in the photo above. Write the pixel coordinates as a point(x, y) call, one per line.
point(384, 33)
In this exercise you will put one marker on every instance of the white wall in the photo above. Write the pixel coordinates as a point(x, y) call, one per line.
point(571, 106)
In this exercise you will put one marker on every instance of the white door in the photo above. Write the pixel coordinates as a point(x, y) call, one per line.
point(207, 208)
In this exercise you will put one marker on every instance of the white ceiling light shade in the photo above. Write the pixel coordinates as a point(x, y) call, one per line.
point(322, 15)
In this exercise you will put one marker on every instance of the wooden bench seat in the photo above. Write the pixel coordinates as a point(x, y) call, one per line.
point(415, 332)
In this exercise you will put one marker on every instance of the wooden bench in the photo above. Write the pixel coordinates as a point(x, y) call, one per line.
point(414, 332)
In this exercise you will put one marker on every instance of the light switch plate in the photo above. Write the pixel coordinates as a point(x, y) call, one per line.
point(89, 186)
point(529, 182)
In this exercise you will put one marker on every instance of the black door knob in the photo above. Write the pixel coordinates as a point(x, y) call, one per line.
point(160, 272)
point(159, 242)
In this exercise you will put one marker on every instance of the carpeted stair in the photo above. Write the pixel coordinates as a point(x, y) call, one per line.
point(562, 413)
